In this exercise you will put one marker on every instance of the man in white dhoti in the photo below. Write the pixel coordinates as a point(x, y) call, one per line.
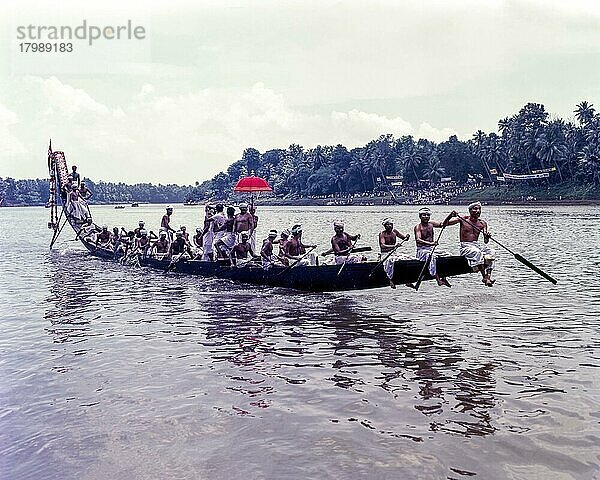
point(76, 206)
point(427, 246)
point(388, 244)
point(208, 235)
point(478, 255)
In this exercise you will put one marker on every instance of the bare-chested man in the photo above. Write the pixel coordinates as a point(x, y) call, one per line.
point(478, 255)
point(162, 245)
point(244, 222)
point(103, 238)
point(266, 252)
point(388, 242)
point(165, 222)
point(389, 236)
point(242, 252)
point(295, 250)
point(426, 243)
point(342, 244)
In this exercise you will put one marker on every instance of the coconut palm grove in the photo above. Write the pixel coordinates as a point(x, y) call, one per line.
point(531, 153)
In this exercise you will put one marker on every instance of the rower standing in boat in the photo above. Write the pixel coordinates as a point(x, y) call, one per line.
point(244, 222)
point(266, 252)
point(165, 222)
point(478, 255)
point(342, 244)
point(388, 245)
point(295, 250)
point(426, 243)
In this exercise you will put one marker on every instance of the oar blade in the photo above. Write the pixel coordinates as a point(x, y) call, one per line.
point(538, 270)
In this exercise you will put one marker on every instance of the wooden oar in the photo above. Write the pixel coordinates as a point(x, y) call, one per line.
point(428, 261)
point(518, 257)
point(390, 253)
point(355, 250)
point(297, 261)
point(350, 250)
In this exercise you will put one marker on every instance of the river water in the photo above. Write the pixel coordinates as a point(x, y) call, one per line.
point(128, 373)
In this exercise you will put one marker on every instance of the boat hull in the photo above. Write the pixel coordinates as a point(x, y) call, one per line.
point(322, 278)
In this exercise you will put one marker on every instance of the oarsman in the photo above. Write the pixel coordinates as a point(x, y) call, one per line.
point(342, 244)
point(143, 243)
point(242, 252)
point(115, 241)
point(104, 237)
point(388, 238)
point(227, 241)
point(85, 192)
point(295, 250)
point(140, 227)
point(75, 176)
point(208, 234)
point(244, 222)
point(285, 235)
point(165, 222)
point(388, 243)
point(89, 232)
point(266, 252)
point(478, 254)
point(184, 232)
point(426, 243)
point(179, 247)
point(162, 244)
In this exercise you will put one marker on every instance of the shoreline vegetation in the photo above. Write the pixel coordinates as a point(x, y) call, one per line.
point(533, 159)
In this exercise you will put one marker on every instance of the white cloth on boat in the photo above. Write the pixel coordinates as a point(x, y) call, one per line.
point(352, 258)
point(478, 254)
point(423, 253)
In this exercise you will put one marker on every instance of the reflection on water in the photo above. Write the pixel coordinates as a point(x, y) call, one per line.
point(99, 359)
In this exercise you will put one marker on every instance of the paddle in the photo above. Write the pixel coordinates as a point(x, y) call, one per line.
point(296, 262)
point(355, 250)
point(518, 257)
point(390, 253)
point(350, 250)
point(428, 261)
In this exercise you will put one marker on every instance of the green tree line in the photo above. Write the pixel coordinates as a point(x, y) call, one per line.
point(36, 192)
point(528, 141)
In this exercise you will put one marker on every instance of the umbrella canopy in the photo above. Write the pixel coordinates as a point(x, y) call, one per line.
point(252, 184)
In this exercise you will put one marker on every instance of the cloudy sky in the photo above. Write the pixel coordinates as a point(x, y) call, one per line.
point(212, 78)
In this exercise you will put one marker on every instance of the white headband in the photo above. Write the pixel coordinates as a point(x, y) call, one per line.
point(474, 204)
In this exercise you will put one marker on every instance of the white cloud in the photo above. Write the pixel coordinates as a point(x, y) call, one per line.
point(178, 138)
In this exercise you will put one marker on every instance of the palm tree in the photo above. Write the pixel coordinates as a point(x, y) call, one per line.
point(433, 168)
point(584, 113)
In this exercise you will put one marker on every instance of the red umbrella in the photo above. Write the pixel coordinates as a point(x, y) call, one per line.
point(252, 184)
